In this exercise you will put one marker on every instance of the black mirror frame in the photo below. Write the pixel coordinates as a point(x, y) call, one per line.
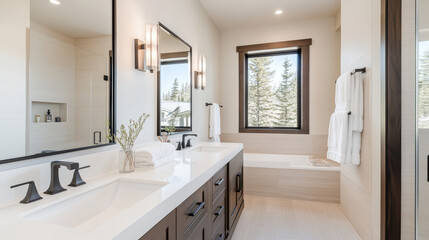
point(179, 130)
point(112, 102)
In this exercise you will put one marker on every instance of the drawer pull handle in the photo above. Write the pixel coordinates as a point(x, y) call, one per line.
point(219, 182)
point(197, 209)
point(219, 210)
point(219, 237)
point(238, 183)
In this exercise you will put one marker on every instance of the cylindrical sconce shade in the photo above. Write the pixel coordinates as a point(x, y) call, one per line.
point(203, 72)
point(152, 47)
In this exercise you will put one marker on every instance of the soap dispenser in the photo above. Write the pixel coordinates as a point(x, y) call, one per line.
point(49, 116)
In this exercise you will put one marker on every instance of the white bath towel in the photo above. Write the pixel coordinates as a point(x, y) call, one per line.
point(338, 136)
point(153, 153)
point(339, 123)
point(344, 140)
point(214, 124)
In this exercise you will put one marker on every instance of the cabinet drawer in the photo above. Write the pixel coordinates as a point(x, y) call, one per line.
point(218, 215)
point(219, 233)
point(193, 210)
point(219, 181)
point(201, 231)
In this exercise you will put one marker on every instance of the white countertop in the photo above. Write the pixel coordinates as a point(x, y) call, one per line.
point(189, 171)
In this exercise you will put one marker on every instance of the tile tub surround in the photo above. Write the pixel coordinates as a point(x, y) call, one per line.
point(183, 177)
point(291, 177)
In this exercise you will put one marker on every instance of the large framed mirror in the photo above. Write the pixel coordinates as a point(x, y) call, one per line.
point(174, 83)
point(66, 100)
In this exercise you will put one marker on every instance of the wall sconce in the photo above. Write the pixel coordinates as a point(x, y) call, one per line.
point(146, 54)
point(201, 74)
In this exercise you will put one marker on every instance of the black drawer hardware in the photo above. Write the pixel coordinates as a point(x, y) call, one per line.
point(32, 194)
point(219, 182)
point(219, 210)
point(219, 237)
point(194, 212)
point(238, 183)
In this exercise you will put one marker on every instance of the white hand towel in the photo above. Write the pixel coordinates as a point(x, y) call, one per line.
point(355, 121)
point(214, 124)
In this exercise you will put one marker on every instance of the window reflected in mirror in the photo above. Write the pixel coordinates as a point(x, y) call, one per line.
point(174, 79)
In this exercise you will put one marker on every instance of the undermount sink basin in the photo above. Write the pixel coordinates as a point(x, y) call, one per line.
point(208, 149)
point(89, 210)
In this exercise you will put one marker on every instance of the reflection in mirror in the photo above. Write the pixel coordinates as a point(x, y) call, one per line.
point(174, 82)
point(70, 68)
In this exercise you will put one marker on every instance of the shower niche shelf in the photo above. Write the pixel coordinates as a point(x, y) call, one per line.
point(58, 109)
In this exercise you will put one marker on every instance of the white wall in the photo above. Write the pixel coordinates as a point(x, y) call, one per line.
point(408, 124)
point(51, 80)
point(13, 65)
point(360, 47)
point(324, 69)
point(137, 92)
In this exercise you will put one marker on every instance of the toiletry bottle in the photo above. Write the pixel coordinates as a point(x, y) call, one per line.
point(49, 116)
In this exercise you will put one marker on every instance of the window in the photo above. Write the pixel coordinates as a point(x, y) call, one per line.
point(274, 87)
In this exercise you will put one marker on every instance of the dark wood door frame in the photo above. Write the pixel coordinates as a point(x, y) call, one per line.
point(391, 189)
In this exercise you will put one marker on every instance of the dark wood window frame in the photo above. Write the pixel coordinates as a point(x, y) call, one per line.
point(303, 46)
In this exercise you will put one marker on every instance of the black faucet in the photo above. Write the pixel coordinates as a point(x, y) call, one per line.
point(55, 186)
point(184, 145)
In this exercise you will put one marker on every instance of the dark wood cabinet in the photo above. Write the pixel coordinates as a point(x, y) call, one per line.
point(211, 212)
point(235, 191)
point(164, 230)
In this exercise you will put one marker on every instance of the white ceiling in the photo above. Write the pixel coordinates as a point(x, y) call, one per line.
point(75, 18)
point(232, 14)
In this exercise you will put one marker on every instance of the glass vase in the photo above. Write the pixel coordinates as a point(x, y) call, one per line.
point(126, 161)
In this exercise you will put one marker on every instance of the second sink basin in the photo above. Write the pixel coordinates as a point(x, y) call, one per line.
point(89, 210)
point(208, 149)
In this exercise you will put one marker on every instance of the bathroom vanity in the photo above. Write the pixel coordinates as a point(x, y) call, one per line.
point(211, 212)
point(198, 196)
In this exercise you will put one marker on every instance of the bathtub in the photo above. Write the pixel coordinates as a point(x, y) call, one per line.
point(298, 177)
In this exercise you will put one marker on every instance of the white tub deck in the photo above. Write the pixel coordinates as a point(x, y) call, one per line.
point(291, 177)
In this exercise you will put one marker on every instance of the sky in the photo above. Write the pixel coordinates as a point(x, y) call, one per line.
point(171, 71)
point(423, 47)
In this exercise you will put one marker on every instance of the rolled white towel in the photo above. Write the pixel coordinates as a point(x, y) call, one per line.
point(153, 152)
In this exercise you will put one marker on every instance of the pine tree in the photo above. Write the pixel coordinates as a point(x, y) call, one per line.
point(423, 106)
point(260, 92)
point(175, 94)
point(286, 103)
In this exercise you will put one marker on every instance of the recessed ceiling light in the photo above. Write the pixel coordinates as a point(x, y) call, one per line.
point(279, 12)
point(56, 2)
